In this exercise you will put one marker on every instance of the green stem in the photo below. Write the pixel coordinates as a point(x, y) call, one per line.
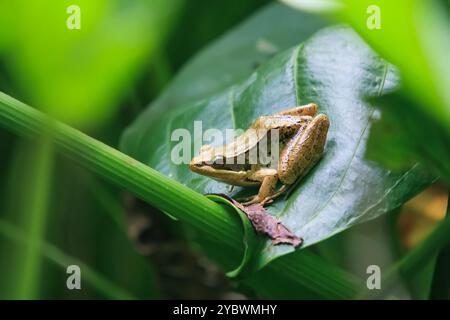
point(214, 220)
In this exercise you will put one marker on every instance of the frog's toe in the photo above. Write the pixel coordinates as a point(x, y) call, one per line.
point(250, 200)
point(257, 199)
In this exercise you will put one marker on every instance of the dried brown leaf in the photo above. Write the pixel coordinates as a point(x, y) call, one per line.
point(265, 223)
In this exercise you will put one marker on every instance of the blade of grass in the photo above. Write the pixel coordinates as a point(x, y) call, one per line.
point(103, 285)
point(216, 221)
point(35, 195)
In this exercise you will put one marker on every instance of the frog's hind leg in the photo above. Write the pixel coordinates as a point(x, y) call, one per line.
point(306, 110)
point(301, 153)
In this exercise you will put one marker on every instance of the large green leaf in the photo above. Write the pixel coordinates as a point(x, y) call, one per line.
point(335, 69)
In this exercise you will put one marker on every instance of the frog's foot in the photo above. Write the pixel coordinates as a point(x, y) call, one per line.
point(279, 192)
point(252, 200)
point(248, 200)
point(256, 199)
point(267, 192)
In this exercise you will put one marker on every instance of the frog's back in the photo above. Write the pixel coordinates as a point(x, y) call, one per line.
point(258, 131)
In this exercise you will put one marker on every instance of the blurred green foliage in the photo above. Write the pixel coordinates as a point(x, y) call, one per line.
point(414, 36)
point(79, 76)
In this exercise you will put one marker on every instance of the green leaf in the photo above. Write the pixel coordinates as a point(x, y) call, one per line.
point(334, 69)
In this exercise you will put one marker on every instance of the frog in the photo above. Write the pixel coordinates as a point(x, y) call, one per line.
point(302, 134)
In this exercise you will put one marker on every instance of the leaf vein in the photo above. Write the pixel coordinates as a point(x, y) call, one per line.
point(294, 57)
point(231, 103)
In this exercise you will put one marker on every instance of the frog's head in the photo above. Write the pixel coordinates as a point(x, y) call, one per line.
point(206, 156)
point(212, 163)
point(206, 161)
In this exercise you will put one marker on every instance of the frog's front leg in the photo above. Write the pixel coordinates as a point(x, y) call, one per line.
point(266, 190)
